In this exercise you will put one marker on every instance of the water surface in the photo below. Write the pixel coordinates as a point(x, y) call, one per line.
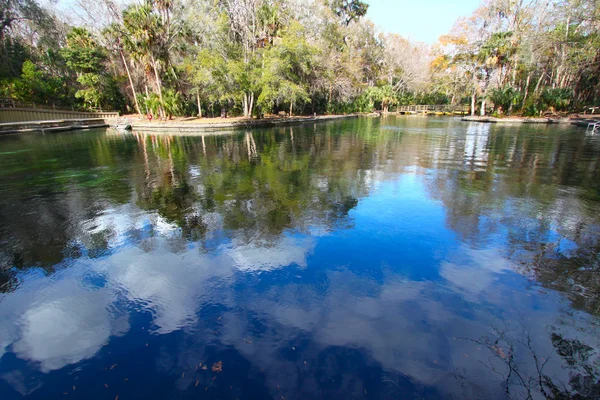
point(395, 258)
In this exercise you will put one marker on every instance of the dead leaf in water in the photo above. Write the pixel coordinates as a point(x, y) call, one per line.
point(217, 367)
point(113, 366)
point(499, 351)
point(105, 385)
point(182, 375)
point(197, 382)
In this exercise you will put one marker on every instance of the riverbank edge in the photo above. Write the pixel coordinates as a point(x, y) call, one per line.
point(223, 127)
point(516, 120)
point(8, 128)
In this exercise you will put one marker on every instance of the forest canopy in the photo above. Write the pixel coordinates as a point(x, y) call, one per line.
point(164, 58)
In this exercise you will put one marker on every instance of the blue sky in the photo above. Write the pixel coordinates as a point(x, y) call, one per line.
point(419, 20)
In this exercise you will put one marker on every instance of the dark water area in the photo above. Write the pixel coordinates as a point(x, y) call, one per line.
point(395, 258)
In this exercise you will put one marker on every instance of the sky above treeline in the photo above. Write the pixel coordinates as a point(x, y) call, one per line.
point(419, 20)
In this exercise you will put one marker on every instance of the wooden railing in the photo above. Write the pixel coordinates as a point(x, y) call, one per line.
point(429, 108)
point(8, 115)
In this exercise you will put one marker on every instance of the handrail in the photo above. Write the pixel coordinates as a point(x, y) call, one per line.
point(10, 103)
point(433, 108)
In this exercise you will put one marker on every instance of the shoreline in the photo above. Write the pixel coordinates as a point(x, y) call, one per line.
point(516, 120)
point(197, 126)
point(9, 128)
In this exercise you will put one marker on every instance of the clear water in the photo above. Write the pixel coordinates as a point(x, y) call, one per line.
point(396, 258)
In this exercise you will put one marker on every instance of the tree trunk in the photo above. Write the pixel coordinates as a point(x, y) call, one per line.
point(291, 108)
point(135, 100)
point(473, 101)
point(158, 87)
point(146, 105)
point(245, 104)
point(526, 89)
point(482, 111)
point(514, 72)
point(199, 105)
point(539, 82)
point(251, 104)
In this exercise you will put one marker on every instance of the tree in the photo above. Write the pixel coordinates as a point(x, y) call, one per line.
point(349, 10)
point(287, 67)
point(88, 59)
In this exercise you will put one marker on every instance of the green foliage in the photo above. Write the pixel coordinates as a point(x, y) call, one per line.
point(82, 53)
point(97, 88)
point(559, 99)
point(506, 97)
point(322, 57)
point(286, 69)
point(151, 103)
point(349, 10)
point(173, 103)
point(13, 55)
point(35, 86)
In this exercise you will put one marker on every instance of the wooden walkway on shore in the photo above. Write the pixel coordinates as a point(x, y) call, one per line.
point(437, 109)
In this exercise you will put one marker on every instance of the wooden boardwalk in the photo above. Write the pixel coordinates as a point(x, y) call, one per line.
point(437, 109)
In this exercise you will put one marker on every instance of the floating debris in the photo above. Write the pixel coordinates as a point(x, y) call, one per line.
point(113, 366)
point(221, 317)
point(197, 382)
point(183, 374)
point(117, 397)
point(217, 367)
point(293, 348)
point(125, 380)
point(105, 385)
point(74, 388)
point(204, 368)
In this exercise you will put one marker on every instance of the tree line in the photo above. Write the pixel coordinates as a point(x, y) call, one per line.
point(165, 58)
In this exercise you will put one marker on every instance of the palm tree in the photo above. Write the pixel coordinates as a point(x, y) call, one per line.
point(142, 40)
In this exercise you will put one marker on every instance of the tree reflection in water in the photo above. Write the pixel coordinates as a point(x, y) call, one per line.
point(532, 192)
